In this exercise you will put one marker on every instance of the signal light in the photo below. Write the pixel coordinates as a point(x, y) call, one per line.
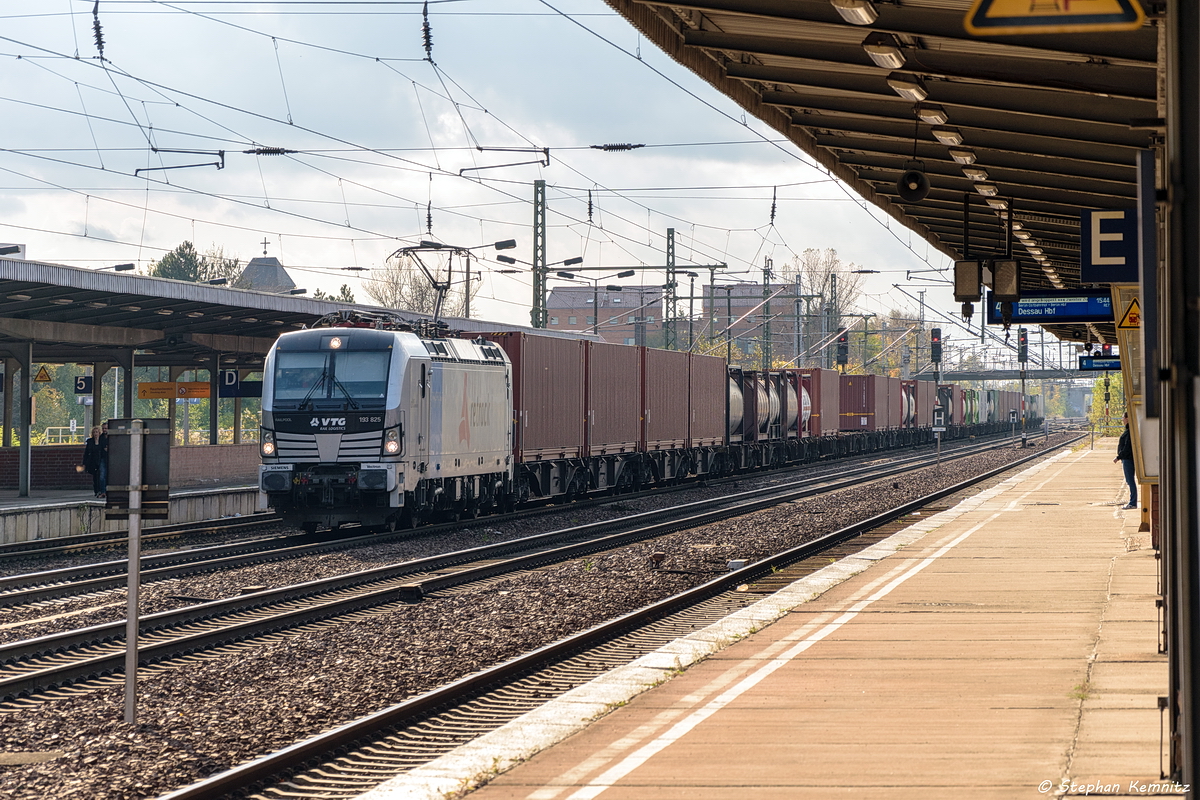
point(1106, 350)
point(1022, 345)
point(843, 347)
point(935, 345)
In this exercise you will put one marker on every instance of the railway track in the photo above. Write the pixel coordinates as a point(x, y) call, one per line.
point(86, 579)
point(89, 657)
point(352, 758)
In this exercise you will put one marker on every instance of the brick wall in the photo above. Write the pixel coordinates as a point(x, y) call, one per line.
point(53, 466)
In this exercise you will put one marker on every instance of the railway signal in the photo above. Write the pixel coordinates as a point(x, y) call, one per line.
point(843, 347)
point(1022, 345)
point(935, 345)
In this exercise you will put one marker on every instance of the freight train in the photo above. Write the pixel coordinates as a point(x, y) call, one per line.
point(367, 420)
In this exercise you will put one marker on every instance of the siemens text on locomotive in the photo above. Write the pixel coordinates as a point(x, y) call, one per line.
point(366, 421)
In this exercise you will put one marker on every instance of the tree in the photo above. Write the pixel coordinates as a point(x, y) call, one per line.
point(185, 263)
point(819, 270)
point(344, 296)
point(401, 284)
point(815, 268)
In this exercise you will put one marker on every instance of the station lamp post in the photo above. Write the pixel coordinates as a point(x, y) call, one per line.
point(441, 287)
point(538, 314)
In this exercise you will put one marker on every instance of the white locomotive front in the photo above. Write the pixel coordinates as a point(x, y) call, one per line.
point(366, 424)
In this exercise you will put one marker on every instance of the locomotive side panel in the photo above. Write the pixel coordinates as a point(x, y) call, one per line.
point(665, 389)
point(468, 416)
point(613, 398)
point(707, 392)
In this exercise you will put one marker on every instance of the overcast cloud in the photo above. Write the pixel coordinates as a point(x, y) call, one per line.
point(381, 137)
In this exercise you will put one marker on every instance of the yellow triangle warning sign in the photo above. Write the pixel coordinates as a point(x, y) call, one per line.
point(1008, 17)
point(42, 377)
point(1132, 317)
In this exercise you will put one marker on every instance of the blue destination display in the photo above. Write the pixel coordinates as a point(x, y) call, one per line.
point(1087, 305)
point(1099, 363)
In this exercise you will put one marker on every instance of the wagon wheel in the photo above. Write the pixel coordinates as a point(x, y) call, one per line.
point(410, 518)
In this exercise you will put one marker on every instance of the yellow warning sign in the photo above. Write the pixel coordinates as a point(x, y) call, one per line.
point(1008, 17)
point(42, 376)
point(1132, 317)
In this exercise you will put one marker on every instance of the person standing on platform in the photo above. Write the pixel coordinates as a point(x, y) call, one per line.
point(104, 459)
point(1125, 456)
point(92, 459)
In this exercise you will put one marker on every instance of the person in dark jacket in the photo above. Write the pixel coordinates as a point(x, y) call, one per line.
point(104, 459)
point(1125, 456)
point(95, 460)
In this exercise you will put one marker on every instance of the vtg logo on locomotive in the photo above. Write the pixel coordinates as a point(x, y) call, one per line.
point(325, 423)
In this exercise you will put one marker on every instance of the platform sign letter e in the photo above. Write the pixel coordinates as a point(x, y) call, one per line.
point(1108, 250)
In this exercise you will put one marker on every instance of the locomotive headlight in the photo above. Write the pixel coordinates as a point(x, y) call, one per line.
point(391, 441)
point(266, 442)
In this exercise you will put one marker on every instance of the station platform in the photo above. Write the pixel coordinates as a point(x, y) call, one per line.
point(51, 513)
point(1007, 647)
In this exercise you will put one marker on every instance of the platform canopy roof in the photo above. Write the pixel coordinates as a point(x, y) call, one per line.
point(74, 315)
point(1053, 121)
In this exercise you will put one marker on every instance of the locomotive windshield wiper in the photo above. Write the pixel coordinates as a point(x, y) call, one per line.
point(320, 382)
point(339, 385)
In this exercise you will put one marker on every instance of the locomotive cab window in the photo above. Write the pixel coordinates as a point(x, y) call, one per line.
point(331, 379)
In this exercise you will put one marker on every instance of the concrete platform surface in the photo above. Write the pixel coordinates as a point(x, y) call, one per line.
point(1007, 647)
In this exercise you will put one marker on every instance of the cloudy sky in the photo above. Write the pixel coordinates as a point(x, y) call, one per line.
point(107, 161)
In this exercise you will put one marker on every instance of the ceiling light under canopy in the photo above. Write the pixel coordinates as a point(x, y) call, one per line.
point(884, 50)
point(856, 12)
point(907, 86)
point(934, 115)
point(950, 136)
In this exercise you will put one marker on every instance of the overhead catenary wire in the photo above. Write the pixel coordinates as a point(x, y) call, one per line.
point(653, 235)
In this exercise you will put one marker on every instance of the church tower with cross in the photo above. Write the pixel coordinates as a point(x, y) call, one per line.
point(266, 274)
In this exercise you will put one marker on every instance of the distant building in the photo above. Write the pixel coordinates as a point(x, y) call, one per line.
point(266, 274)
point(630, 316)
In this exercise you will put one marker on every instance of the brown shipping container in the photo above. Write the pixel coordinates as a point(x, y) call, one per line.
point(548, 378)
point(614, 398)
point(858, 402)
point(824, 392)
point(926, 400)
point(889, 411)
point(665, 398)
point(708, 390)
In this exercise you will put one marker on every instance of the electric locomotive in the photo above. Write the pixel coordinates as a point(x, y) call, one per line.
point(364, 420)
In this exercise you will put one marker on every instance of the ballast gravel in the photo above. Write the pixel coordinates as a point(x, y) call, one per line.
point(217, 713)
